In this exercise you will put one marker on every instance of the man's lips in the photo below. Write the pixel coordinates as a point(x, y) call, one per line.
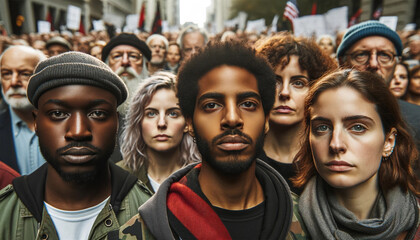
point(232, 143)
point(339, 166)
point(78, 155)
point(283, 109)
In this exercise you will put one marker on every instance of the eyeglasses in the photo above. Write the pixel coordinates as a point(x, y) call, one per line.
point(7, 75)
point(363, 57)
point(133, 57)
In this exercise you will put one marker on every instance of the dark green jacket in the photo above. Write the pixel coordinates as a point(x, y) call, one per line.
point(23, 215)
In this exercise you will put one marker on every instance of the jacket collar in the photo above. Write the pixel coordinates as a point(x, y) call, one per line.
point(31, 188)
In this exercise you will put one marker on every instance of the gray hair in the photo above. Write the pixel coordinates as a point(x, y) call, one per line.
point(191, 29)
point(41, 56)
point(318, 40)
point(133, 147)
point(160, 37)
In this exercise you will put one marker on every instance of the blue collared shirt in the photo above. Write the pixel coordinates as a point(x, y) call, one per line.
point(29, 157)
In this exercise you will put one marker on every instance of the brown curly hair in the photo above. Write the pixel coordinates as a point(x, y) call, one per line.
point(278, 49)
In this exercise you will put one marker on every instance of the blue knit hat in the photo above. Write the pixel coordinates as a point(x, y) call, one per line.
point(366, 29)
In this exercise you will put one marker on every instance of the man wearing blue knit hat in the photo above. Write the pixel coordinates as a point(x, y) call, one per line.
point(372, 46)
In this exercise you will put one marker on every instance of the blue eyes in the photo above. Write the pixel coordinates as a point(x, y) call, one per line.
point(358, 128)
point(172, 114)
point(325, 128)
point(151, 114)
point(322, 128)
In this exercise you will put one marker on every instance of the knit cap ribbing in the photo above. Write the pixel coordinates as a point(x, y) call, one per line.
point(74, 68)
point(366, 29)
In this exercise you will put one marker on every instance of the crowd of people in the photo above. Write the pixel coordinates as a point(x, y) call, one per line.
point(191, 136)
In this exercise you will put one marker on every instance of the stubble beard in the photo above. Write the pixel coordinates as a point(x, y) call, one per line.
point(233, 165)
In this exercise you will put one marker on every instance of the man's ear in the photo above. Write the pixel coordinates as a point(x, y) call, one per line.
point(35, 115)
point(390, 141)
point(189, 127)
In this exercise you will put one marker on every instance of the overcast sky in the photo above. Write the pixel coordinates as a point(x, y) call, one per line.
point(193, 11)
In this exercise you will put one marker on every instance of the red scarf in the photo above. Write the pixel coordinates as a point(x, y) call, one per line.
point(194, 213)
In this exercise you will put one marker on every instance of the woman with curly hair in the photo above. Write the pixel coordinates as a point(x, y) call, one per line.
point(155, 142)
point(297, 63)
point(356, 161)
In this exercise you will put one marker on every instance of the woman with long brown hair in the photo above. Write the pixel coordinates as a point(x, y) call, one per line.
point(356, 161)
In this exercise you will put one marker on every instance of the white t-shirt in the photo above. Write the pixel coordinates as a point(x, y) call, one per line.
point(155, 185)
point(74, 224)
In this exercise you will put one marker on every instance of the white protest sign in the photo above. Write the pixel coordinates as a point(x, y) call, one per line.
point(314, 26)
point(165, 26)
point(336, 20)
point(274, 24)
point(73, 17)
point(256, 25)
point(309, 26)
point(132, 22)
point(114, 19)
point(389, 21)
point(242, 16)
point(44, 26)
point(98, 25)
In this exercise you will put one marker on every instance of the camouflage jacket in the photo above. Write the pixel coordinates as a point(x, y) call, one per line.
point(140, 228)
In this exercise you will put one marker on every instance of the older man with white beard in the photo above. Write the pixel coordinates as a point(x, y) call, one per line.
point(19, 146)
point(158, 44)
point(127, 56)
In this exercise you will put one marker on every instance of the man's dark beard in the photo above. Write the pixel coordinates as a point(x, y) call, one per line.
point(75, 177)
point(232, 165)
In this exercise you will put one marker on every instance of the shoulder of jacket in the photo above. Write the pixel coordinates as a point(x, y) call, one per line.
point(143, 188)
point(133, 229)
point(6, 191)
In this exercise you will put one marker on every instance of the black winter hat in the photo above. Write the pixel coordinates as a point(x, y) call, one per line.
point(126, 39)
point(74, 68)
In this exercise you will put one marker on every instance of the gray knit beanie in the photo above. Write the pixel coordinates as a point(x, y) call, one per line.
point(74, 68)
point(58, 41)
point(366, 29)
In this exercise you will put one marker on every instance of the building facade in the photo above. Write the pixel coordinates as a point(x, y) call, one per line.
point(21, 16)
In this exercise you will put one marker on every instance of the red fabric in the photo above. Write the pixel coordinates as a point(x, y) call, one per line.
point(50, 20)
point(141, 18)
point(354, 18)
point(313, 12)
point(82, 27)
point(157, 23)
point(7, 174)
point(194, 213)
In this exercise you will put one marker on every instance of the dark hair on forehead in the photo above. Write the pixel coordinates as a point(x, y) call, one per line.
point(217, 54)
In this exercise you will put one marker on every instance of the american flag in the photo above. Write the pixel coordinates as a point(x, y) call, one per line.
point(291, 10)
